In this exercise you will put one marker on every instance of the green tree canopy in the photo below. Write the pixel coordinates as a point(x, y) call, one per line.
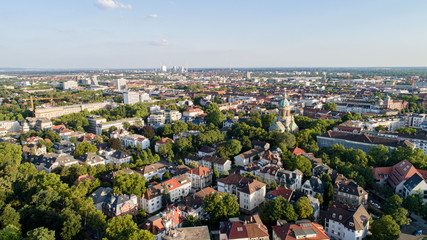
point(84, 147)
point(124, 228)
point(129, 184)
point(385, 229)
point(303, 208)
point(221, 206)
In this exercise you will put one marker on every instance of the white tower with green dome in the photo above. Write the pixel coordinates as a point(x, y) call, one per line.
point(284, 122)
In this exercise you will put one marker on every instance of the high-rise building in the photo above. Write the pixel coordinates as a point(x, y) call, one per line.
point(121, 84)
point(68, 85)
point(134, 97)
point(164, 68)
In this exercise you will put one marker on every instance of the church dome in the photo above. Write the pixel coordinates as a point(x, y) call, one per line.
point(284, 102)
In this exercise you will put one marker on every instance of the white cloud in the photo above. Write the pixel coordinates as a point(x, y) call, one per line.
point(153, 15)
point(111, 4)
point(160, 43)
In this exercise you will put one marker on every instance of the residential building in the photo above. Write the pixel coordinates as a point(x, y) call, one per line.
point(344, 223)
point(155, 169)
point(120, 84)
point(118, 157)
point(134, 139)
point(397, 175)
point(189, 233)
point(220, 164)
point(251, 228)
point(305, 231)
point(248, 157)
point(99, 196)
point(63, 146)
point(132, 97)
point(312, 186)
point(193, 204)
point(120, 205)
point(10, 126)
point(161, 224)
point(52, 112)
point(161, 142)
point(290, 179)
point(200, 177)
point(192, 112)
point(177, 188)
point(279, 191)
point(119, 124)
point(43, 123)
point(250, 192)
point(349, 192)
point(206, 151)
point(69, 85)
point(92, 159)
point(94, 120)
point(49, 161)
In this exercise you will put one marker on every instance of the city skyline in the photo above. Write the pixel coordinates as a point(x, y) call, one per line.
point(220, 34)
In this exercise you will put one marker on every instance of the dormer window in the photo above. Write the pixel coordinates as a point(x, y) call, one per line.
point(333, 215)
point(351, 224)
point(340, 217)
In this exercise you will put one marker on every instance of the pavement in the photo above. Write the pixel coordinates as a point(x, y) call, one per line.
point(417, 223)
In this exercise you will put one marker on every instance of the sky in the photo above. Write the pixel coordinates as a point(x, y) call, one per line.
point(104, 34)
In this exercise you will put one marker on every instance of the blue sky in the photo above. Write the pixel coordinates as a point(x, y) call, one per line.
point(216, 33)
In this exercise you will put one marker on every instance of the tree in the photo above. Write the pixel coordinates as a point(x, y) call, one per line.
point(10, 154)
point(400, 215)
point(379, 155)
point(191, 221)
point(330, 106)
point(124, 228)
point(166, 176)
point(385, 229)
point(224, 173)
point(10, 217)
point(303, 164)
point(326, 178)
point(41, 233)
point(215, 175)
point(381, 128)
point(221, 206)
point(129, 184)
point(84, 147)
point(10, 233)
point(413, 202)
point(126, 125)
point(415, 156)
point(392, 204)
point(406, 130)
point(246, 143)
point(267, 120)
point(328, 194)
point(148, 132)
point(303, 208)
point(97, 222)
point(278, 208)
point(193, 164)
point(233, 147)
point(273, 185)
point(114, 143)
point(319, 197)
point(214, 115)
point(71, 223)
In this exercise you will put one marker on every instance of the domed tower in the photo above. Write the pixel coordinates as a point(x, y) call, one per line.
point(284, 109)
point(285, 121)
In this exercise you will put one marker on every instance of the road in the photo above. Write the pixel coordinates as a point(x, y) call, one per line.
point(417, 223)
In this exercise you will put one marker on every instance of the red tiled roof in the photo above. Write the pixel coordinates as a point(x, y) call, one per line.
point(290, 232)
point(283, 192)
point(298, 151)
point(200, 171)
point(164, 140)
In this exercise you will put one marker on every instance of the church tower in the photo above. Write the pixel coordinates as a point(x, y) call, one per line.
point(284, 122)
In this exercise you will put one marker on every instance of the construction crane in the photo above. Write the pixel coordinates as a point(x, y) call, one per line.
point(51, 98)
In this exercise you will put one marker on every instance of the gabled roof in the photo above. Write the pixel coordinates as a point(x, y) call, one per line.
point(298, 151)
point(350, 218)
point(413, 181)
point(200, 171)
point(283, 192)
point(312, 231)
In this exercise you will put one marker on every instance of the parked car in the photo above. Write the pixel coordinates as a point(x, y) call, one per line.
point(417, 232)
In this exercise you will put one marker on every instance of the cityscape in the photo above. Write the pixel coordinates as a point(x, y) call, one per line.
point(182, 120)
